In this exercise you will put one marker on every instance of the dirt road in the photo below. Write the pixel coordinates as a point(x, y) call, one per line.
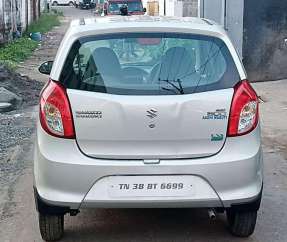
point(18, 218)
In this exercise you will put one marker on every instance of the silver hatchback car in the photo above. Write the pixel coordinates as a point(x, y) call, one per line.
point(151, 112)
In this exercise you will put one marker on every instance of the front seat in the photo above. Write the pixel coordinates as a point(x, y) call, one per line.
point(176, 63)
point(104, 67)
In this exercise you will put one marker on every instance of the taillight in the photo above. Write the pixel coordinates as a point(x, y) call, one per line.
point(55, 112)
point(243, 117)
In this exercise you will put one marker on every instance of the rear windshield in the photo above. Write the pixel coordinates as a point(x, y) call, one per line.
point(149, 64)
point(114, 7)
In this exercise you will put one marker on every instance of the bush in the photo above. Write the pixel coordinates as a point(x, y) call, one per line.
point(45, 23)
point(17, 51)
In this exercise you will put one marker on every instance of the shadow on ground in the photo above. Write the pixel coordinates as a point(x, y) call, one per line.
point(146, 225)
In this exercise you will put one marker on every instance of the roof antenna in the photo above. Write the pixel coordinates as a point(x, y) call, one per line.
point(124, 10)
point(82, 21)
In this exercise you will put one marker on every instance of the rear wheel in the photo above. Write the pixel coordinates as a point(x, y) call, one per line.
point(241, 223)
point(51, 226)
point(71, 4)
point(55, 3)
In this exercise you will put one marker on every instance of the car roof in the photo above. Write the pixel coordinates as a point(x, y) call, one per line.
point(143, 23)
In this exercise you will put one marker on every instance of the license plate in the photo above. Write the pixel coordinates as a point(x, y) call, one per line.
point(150, 186)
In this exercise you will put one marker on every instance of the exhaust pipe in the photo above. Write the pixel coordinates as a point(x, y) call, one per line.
point(211, 214)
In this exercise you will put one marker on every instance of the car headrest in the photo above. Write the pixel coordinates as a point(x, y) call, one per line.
point(106, 61)
point(176, 63)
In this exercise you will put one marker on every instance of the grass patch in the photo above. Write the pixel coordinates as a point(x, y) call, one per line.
point(45, 23)
point(20, 49)
point(17, 51)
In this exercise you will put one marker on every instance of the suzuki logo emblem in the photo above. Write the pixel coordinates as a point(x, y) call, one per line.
point(152, 113)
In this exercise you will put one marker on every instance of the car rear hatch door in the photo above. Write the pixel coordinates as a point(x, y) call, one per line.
point(150, 95)
point(150, 127)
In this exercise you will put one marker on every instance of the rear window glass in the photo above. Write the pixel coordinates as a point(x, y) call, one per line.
point(114, 7)
point(149, 64)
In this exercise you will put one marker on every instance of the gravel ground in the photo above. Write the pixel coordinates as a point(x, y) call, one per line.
point(26, 88)
point(17, 130)
point(16, 126)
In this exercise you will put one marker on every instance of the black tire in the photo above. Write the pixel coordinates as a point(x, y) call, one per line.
point(55, 3)
point(241, 223)
point(51, 226)
point(71, 4)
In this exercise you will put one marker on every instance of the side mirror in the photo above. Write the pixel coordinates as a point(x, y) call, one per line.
point(46, 67)
point(144, 9)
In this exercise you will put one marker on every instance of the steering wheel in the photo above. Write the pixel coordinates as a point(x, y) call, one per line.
point(135, 74)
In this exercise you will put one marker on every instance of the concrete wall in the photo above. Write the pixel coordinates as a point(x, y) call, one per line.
point(190, 8)
point(174, 8)
point(258, 30)
point(16, 15)
point(170, 8)
point(265, 44)
point(178, 8)
point(229, 14)
point(234, 22)
point(213, 9)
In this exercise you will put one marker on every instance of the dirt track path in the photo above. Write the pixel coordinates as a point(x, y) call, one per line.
point(46, 51)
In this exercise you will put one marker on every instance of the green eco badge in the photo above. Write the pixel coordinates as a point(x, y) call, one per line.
point(216, 137)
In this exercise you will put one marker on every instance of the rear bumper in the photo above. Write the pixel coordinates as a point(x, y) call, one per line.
point(63, 176)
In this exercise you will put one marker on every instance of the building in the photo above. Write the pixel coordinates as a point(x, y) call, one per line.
point(258, 30)
point(16, 15)
point(180, 8)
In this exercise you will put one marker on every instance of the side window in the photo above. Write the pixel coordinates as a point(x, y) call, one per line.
point(77, 65)
point(80, 61)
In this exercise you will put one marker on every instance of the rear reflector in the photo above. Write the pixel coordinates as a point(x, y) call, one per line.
point(55, 112)
point(244, 114)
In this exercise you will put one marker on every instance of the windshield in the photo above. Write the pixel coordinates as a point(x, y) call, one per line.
point(149, 64)
point(114, 7)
